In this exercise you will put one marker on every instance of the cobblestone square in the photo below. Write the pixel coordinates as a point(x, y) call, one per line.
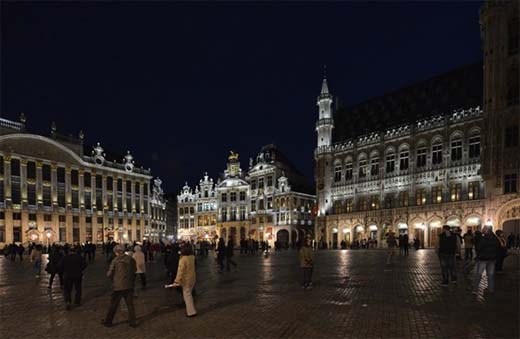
point(355, 295)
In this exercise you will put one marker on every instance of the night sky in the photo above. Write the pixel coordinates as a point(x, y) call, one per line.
point(181, 84)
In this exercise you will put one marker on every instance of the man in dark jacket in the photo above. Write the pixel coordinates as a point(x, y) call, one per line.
point(122, 272)
point(447, 249)
point(72, 266)
point(221, 253)
point(229, 253)
point(486, 249)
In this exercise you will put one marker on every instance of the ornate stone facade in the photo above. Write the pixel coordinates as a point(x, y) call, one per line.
point(50, 191)
point(415, 177)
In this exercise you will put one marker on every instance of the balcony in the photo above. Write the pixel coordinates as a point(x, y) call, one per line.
point(324, 122)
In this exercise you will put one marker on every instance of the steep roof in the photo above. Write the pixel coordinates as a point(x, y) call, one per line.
point(459, 88)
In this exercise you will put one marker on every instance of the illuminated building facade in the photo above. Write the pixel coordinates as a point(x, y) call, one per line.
point(158, 219)
point(50, 191)
point(458, 167)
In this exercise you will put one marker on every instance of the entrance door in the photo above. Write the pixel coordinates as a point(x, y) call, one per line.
point(419, 234)
point(283, 238)
point(511, 226)
point(335, 240)
point(434, 238)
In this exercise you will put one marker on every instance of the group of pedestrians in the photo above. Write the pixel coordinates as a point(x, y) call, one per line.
point(225, 254)
point(490, 251)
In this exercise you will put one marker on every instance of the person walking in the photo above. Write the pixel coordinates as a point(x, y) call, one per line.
point(72, 265)
point(405, 244)
point(20, 250)
point(36, 259)
point(221, 253)
point(53, 267)
point(501, 252)
point(172, 262)
point(486, 249)
point(229, 254)
point(447, 251)
point(468, 245)
point(392, 244)
point(186, 278)
point(140, 265)
point(122, 273)
point(307, 263)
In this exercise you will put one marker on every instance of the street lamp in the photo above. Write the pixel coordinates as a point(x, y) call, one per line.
point(48, 235)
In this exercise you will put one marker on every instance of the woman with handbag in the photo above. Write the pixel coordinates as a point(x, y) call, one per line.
point(186, 278)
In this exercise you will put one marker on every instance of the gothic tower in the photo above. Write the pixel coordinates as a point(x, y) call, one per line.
point(500, 33)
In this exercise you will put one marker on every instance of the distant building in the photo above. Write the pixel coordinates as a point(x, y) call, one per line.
point(414, 177)
point(53, 191)
point(157, 225)
point(272, 201)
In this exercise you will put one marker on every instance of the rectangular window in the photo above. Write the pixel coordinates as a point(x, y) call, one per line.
point(47, 196)
point(99, 220)
point(269, 203)
point(253, 205)
point(15, 167)
point(437, 154)
point(88, 200)
point(137, 188)
point(224, 214)
point(99, 201)
point(456, 150)
point(338, 206)
point(75, 219)
point(473, 190)
point(455, 190)
point(474, 147)
point(389, 201)
point(270, 181)
point(99, 182)
point(420, 196)
point(17, 216)
point(242, 196)
point(390, 163)
point(74, 177)
point(253, 184)
point(260, 183)
point(510, 183)
point(61, 196)
point(15, 191)
point(374, 203)
point(61, 218)
point(437, 194)
point(404, 160)
point(47, 217)
point(60, 173)
point(511, 136)
point(88, 220)
point(362, 168)
point(2, 196)
point(403, 199)
point(362, 203)
point(349, 205)
point(110, 184)
point(75, 199)
point(233, 196)
point(374, 166)
point(119, 185)
point(31, 170)
point(223, 197)
point(261, 204)
point(421, 157)
point(242, 213)
point(46, 172)
point(2, 233)
point(1, 165)
point(32, 217)
point(348, 171)
point(87, 179)
point(337, 173)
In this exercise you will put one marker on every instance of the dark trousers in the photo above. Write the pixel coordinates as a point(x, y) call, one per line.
point(68, 283)
point(53, 274)
point(307, 276)
point(468, 253)
point(448, 268)
point(143, 279)
point(221, 263)
point(128, 295)
point(499, 265)
point(405, 249)
point(229, 260)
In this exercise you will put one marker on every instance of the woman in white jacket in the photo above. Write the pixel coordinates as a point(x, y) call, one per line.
point(140, 263)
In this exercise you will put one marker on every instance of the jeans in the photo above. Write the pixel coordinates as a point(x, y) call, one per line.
point(128, 295)
point(448, 268)
point(37, 266)
point(489, 266)
point(468, 253)
point(67, 290)
point(307, 276)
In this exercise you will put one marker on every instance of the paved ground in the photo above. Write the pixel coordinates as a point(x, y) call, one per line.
point(356, 295)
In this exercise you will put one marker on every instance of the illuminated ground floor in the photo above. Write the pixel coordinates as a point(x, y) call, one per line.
point(419, 222)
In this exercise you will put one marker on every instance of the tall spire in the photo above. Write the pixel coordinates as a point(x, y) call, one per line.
point(324, 86)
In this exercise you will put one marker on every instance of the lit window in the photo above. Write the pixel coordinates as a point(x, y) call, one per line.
point(455, 190)
point(403, 199)
point(473, 190)
point(437, 194)
point(420, 196)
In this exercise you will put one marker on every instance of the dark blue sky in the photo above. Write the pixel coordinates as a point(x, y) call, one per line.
point(181, 84)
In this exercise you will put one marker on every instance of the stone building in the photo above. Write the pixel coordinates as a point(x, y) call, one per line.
point(157, 225)
point(272, 201)
point(53, 191)
point(429, 169)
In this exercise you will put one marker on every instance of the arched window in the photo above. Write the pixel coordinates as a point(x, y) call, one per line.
point(337, 172)
point(437, 153)
point(390, 162)
point(456, 148)
point(404, 159)
point(362, 166)
point(374, 165)
point(348, 171)
point(474, 146)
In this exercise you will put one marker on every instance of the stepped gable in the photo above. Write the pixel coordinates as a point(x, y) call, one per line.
point(461, 88)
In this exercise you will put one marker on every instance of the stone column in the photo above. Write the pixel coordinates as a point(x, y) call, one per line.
point(8, 205)
point(25, 203)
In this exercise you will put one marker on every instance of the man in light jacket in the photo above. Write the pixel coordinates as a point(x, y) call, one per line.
point(122, 272)
point(186, 278)
point(140, 263)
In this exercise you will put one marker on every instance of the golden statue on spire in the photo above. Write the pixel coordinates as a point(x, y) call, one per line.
point(233, 156)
